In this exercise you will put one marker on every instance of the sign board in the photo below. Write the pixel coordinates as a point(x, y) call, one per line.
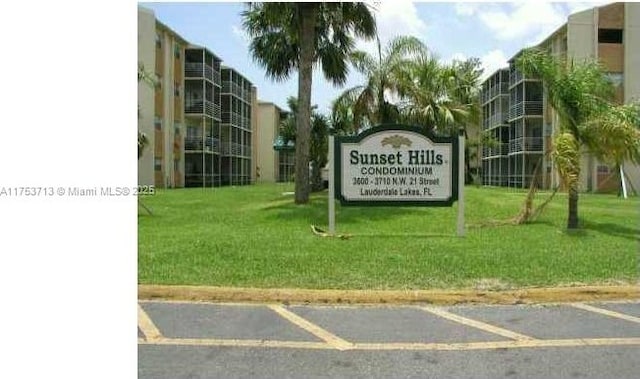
point(396, 165)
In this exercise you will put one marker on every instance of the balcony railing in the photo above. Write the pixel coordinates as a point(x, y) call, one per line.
point(525, 144)
point(200, 70)
point(494, 91)
point(525, 108)
point(245, 122)
point(492, 121)
point(515, 77)
point(495, 151)
point(237, 90)
point(235, 149)
point(198, 143)
point(202, 107)
point(231, 118)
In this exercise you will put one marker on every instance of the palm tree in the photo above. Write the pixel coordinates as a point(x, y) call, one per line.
point(441, 97)
point(430, 95)
point(319, 149)
point(293, 36)
point(370, 101)
point(318, 143)
point(464, 89)
point(341, 119)
point(580, 93)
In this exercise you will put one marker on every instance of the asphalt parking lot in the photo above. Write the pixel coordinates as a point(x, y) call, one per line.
point(210, 340)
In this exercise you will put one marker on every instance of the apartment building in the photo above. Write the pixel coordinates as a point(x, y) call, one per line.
point(520, 122)
point(199, 119)
point(275, 158)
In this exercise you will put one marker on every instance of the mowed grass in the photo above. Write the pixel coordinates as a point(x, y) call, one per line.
point(254, 236)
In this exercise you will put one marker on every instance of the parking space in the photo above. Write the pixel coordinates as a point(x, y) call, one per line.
point(389, 327)
point(630, 309)
point(552, 321)
point(181, 320)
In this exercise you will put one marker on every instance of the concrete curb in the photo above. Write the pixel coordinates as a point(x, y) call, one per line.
point(439, 297)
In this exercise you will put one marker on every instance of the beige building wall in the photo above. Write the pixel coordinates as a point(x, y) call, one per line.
point(268, 118)
point(171, 114)
point(161, 108)
point(631, 40)
point(146, 56)
point(581, 33)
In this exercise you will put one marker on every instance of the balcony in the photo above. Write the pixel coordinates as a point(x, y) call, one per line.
point(502, 89)
point(236, 90)
point(231, 118)
point(525, 108)
point(211, 144)
point(202, 107)
point(526, 144)
point(235, 149)
point(494, 120)
point(198, 70)
point(245, 122)
point(498, 150)
point(515, 77)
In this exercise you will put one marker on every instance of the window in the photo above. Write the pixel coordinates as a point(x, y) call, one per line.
point(176, 89)
point(177, 130)
point(157, 164)
point(176, 165)
point(176, 51)
point(603, 169)
point(158, 41)
point(610, 35)
point(157, 123)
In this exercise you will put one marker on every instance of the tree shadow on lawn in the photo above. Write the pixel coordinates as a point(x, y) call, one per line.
point(613, 230)
point(316, 212)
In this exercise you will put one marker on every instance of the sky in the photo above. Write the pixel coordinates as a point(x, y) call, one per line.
point(493, 32)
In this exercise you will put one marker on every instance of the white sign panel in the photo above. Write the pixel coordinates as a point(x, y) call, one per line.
point(397, 165)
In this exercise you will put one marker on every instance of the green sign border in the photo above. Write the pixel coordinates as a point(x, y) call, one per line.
point(454, 164)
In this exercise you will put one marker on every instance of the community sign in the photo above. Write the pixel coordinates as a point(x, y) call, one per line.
point(396, 165)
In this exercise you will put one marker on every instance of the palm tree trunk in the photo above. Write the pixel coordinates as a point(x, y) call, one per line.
point(572, 221)
point(303, 127)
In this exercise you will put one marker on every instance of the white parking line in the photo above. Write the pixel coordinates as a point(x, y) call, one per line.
point(147, 326)
point(606, 312)
point(477, 324)
point(312, 328)
point(577, 342)
point(238, 343)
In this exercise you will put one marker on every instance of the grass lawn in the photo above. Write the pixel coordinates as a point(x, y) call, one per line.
point(254, 236)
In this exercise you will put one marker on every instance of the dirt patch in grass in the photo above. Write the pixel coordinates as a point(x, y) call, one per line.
point(439, 297)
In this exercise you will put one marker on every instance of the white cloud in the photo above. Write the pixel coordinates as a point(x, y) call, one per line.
point(492, 61)
point(455, 57)
point(395, 18)
point(578, 6)
point(511, 21)
point(465, 9)
point(532, 21)
point(240, 34)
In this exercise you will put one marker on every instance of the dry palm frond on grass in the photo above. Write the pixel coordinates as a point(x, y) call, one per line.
point(528, 213)
point(323, 233)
